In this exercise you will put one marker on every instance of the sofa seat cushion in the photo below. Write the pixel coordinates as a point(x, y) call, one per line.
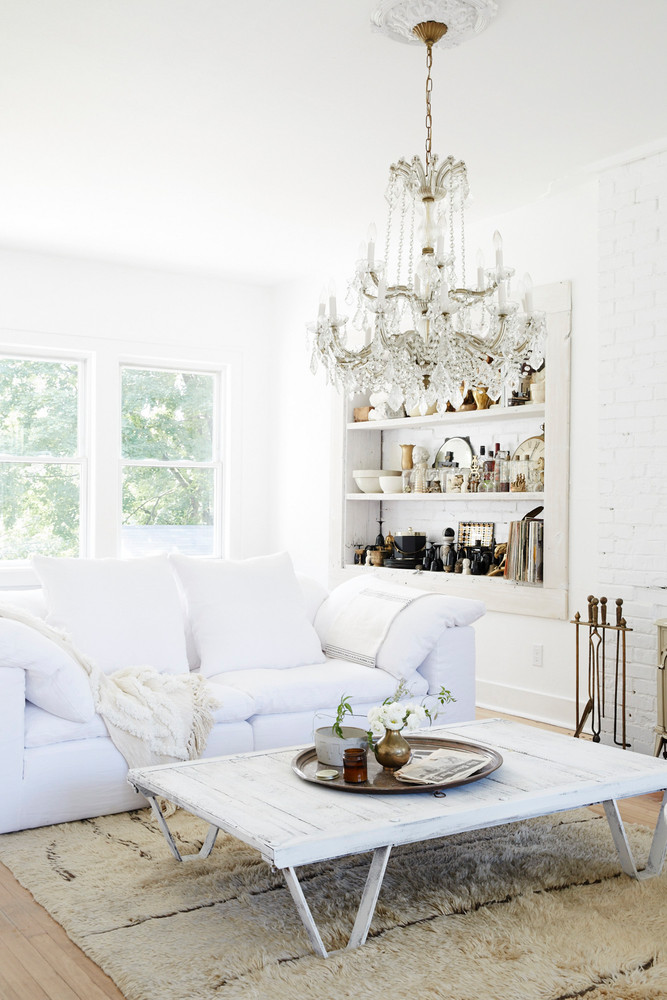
point(43, 729)
point(118, 612)
point(316, 686)
point(235, 705)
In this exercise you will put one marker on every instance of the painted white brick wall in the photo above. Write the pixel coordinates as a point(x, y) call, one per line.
point(633, 423)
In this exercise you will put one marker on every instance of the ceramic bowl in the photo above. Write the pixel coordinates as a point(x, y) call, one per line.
point(391, 484)
point(368, 480)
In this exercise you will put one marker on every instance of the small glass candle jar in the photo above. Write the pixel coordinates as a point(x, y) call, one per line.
point(355, 769)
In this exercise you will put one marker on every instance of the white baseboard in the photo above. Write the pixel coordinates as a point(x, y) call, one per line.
point(554, 710)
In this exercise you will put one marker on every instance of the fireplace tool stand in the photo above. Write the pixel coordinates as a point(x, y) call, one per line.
point(597, 646)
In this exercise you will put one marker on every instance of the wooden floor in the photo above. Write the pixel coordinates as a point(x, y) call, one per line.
point(39, 962)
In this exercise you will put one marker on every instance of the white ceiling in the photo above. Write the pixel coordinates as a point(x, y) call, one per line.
point(209, 135)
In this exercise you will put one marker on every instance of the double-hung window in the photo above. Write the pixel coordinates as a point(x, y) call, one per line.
point(103, 454)
point(43, 468)
point(171, 469)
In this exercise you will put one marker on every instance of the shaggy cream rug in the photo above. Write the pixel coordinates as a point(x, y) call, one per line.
point(532, 911)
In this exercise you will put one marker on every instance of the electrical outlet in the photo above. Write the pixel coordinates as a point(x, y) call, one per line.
point(538, 654)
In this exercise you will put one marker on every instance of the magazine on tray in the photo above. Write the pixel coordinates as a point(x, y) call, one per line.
point(442, 765)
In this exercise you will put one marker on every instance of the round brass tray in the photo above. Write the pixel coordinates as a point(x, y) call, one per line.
point(381, 782)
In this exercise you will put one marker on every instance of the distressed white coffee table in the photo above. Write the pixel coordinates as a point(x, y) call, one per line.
point(259, 799)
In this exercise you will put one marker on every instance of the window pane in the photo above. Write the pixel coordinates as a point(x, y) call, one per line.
point(38, 407)
point(167, 415)
point(167, 510)
point(39, 510)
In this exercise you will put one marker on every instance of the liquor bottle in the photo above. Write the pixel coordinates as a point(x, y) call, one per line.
point(486, 470)
point(474, 477)
point(496, 468)
point(490, 464)
point(482, 463)
point(503, 472)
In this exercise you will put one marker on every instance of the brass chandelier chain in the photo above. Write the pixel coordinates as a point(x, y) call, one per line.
point(429, 32)
point(429, 89)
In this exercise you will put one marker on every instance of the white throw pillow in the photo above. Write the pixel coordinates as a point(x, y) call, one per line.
point(247, 614)
point(54, 680)
point(414, 631)
point(118, 612)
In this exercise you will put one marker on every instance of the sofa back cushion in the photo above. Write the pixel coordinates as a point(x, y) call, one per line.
point(118, 612)
point(247, 614)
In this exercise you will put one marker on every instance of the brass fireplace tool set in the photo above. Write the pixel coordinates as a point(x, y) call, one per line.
point(597, 647)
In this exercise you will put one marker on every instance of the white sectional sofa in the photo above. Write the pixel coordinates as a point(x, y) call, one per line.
point(255, 629)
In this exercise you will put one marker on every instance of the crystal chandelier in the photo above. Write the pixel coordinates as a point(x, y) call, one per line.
point(420, 335)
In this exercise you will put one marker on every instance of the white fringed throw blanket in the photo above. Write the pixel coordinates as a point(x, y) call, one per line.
point(152, 718)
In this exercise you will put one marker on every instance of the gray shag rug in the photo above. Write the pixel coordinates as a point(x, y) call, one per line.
point(531, 911)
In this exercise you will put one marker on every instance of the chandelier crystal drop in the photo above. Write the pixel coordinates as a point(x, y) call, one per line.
point(419, 334)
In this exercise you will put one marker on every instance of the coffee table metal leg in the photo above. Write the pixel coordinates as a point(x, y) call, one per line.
point(366, 909)
point(206, 847)
point(370, 896)
point(656, 857)
point(294, 887)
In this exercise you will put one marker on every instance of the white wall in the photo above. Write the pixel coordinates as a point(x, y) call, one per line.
point(68, 302)
point(633, 421)
point(301, 432)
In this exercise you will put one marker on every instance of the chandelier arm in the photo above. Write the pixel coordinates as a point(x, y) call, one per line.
point(486, 348)
point(342, 355)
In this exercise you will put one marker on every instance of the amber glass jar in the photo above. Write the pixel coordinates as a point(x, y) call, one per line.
point(355, 769)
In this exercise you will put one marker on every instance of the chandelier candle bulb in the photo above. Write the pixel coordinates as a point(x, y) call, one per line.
point(332, 302)
point(528, 290)
point(382, 291)
point(372, 234)
point(498, 247)
point(481, 279)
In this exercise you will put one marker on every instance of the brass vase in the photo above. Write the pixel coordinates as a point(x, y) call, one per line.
point(393, 750)
point(406, 455)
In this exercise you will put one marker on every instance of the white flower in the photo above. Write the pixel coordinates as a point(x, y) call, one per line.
point(374, 715)
point(413, 708)
point(399, 715)
point(394, 717)
point(377, 729)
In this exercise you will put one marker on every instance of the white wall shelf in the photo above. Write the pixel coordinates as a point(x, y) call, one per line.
point(375, 445)
point(494, 414)
point(445, 498)
point(497, 593)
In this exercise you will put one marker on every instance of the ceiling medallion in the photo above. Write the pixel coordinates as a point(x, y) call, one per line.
point(422, 333)
point(464, 18)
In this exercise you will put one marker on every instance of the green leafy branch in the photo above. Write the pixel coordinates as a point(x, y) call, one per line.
point(344, 708)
